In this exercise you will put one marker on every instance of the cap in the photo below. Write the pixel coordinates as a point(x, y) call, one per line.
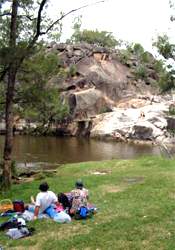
point(79, 184)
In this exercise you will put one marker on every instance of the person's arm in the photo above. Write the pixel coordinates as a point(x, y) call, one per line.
point(36, 212)
point(37, 206)
point(55, 199)
point(87, 194)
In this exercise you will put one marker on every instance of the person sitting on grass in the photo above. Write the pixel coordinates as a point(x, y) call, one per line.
point(80, 197)
point(46, 202)
point(44, 199)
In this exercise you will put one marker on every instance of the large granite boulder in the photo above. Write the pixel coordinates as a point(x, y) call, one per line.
point(146, 123)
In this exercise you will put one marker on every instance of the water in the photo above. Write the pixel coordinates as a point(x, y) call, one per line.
point(48, 150)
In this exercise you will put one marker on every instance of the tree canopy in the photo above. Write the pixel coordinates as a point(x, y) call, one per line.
point(22, 24)
point(101, 38)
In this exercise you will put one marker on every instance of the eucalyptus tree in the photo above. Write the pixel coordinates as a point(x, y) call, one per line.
point(166, 48)
point(22, 24)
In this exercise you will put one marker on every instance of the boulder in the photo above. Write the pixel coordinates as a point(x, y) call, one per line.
point(146, 123)
point(100, 68)
point(87, 103)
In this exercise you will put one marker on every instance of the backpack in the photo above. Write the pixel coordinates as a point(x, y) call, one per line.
point(82, 213)
point(18, 206)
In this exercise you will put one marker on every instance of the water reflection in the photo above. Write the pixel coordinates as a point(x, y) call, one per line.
point(67, 150)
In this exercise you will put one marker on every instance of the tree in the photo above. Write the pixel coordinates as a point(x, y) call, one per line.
point(37, 100)
point(164, 47)
point(101, 38)
point(22, 25)
point(167, 73)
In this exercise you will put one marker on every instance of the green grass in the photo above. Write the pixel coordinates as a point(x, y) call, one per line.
point(136, 201)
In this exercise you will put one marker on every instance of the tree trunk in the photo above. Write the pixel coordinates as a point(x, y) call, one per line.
point(9, 129)
point(12, 71)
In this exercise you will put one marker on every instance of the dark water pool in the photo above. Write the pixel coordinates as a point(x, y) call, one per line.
point(31, 149)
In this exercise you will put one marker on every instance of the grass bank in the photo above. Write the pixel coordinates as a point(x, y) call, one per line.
point(136, 201)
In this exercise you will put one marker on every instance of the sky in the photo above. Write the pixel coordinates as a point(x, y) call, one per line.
point(130, 20)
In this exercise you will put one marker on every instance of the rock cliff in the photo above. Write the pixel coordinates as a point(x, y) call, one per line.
point(100, 79)
point(108, 98)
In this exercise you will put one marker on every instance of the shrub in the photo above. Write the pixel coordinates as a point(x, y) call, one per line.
point(140, 72)
point(166, 81)
point(172, 110)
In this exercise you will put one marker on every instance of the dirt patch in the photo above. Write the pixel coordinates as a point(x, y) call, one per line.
point(100, 172)
point(134, 180)
point(111, 188)
point(172, 195)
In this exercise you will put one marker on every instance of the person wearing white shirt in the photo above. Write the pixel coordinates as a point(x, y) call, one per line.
point(44, 199)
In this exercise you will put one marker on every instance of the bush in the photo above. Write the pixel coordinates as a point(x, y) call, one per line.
point(140, 72)
point(172, 110)
point(166, 81)
point(124, 56)
point(72, 71)
point(101, 38)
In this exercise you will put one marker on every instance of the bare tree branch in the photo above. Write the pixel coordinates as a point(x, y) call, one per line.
point(68, 13)
point(38, 29)
point(39, 20)
point(9, 14)
point(5, 14)
point(29, 17)
point(38, 25)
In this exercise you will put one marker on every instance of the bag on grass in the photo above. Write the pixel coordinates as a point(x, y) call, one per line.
point(17, 233)
point(82, 213)
point(6, 205)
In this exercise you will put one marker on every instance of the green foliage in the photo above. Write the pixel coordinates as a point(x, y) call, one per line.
point(43, 105)
point(167, 50)
point(145, 57)
point(164, 47)
point(124, 56)
point(141, 57)
point(165, 78)
point(166, 81)
point(39, 68)
point(101, 38)
point(159, 66)
point(171, 110)
point(140, 72)
point(138, 49)
point(72, 70)
point(42, 102)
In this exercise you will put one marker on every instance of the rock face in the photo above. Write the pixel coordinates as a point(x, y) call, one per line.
point(99, 81)
point(105, 97)
point(146, 123)
point(107, 100)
